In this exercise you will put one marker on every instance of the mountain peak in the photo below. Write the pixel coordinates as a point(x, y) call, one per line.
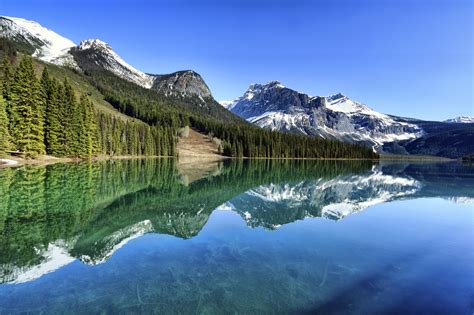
point(275, 83)
point(268, 85)
point(94, 43)
point(336, 97)
point(181, 83)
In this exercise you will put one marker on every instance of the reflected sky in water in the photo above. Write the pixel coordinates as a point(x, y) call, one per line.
point(245, 237)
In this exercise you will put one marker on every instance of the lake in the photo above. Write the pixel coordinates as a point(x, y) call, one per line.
point(305, 237)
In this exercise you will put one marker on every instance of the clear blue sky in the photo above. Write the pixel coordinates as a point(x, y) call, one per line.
point(407, 57)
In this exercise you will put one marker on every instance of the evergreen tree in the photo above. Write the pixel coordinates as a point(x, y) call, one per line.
point(7, 81)
point(88, 134)
point(7, 78)
point(4, 134)
point(27, 110)
point(71, 122)
point(53, 126)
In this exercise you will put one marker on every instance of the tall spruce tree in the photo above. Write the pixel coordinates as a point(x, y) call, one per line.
point(7, 81)
point(7, 78)
point(27, 110)
point(4, 134)
point(69, 109)
point(88, 132)
point(53, 128)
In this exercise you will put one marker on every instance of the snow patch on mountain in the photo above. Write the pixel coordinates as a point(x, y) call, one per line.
point(343, 104)
point(226, 206)
point(461, 119)
point(226, 104)
point(279, 193)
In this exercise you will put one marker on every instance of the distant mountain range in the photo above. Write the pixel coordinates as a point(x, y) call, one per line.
point(272, 105)
point(338, 117)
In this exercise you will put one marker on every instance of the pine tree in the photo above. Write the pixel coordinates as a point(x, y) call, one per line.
point(7, 81)
point(53, 126)
point(87, 135)
point(27, 110)
point(71, 122)
point(7, 78)
point(4, 134)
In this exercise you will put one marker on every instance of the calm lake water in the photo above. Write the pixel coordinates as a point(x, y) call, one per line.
point(145, 236)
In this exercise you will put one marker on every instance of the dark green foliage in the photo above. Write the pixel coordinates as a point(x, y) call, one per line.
point(89, 128)
point(4, 134)
point(54, 133)
point(46, 116)
point(119, 137)
point(251, 141)
point(12, 47)
point(7, 78)
point(27, 110)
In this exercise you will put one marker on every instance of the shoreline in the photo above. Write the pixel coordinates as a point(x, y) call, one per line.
point(43, 160)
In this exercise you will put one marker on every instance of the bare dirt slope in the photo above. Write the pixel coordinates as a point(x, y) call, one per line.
point(197, 145)
point(198, 157)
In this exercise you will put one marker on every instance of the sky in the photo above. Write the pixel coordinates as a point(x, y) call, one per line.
point(411, 58)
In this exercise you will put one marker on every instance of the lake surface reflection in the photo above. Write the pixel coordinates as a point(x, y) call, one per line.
point(149, 236)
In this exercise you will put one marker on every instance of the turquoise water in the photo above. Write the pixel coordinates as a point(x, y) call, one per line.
point(243, 237)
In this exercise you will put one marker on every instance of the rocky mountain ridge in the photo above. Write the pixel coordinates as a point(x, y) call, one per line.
point(276, 107)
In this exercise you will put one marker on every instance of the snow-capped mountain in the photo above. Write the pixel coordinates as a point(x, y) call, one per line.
point(337, 117)
point(277, 107)
point(43, 43)
point(94, 54)
point(461, 120)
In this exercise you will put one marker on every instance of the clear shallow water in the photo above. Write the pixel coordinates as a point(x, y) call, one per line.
point(250, 237)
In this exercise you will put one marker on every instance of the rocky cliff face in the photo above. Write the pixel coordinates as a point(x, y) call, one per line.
point(181, 83)
point(276, 107)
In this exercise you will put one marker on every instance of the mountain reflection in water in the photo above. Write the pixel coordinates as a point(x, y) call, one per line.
point(55, 215)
